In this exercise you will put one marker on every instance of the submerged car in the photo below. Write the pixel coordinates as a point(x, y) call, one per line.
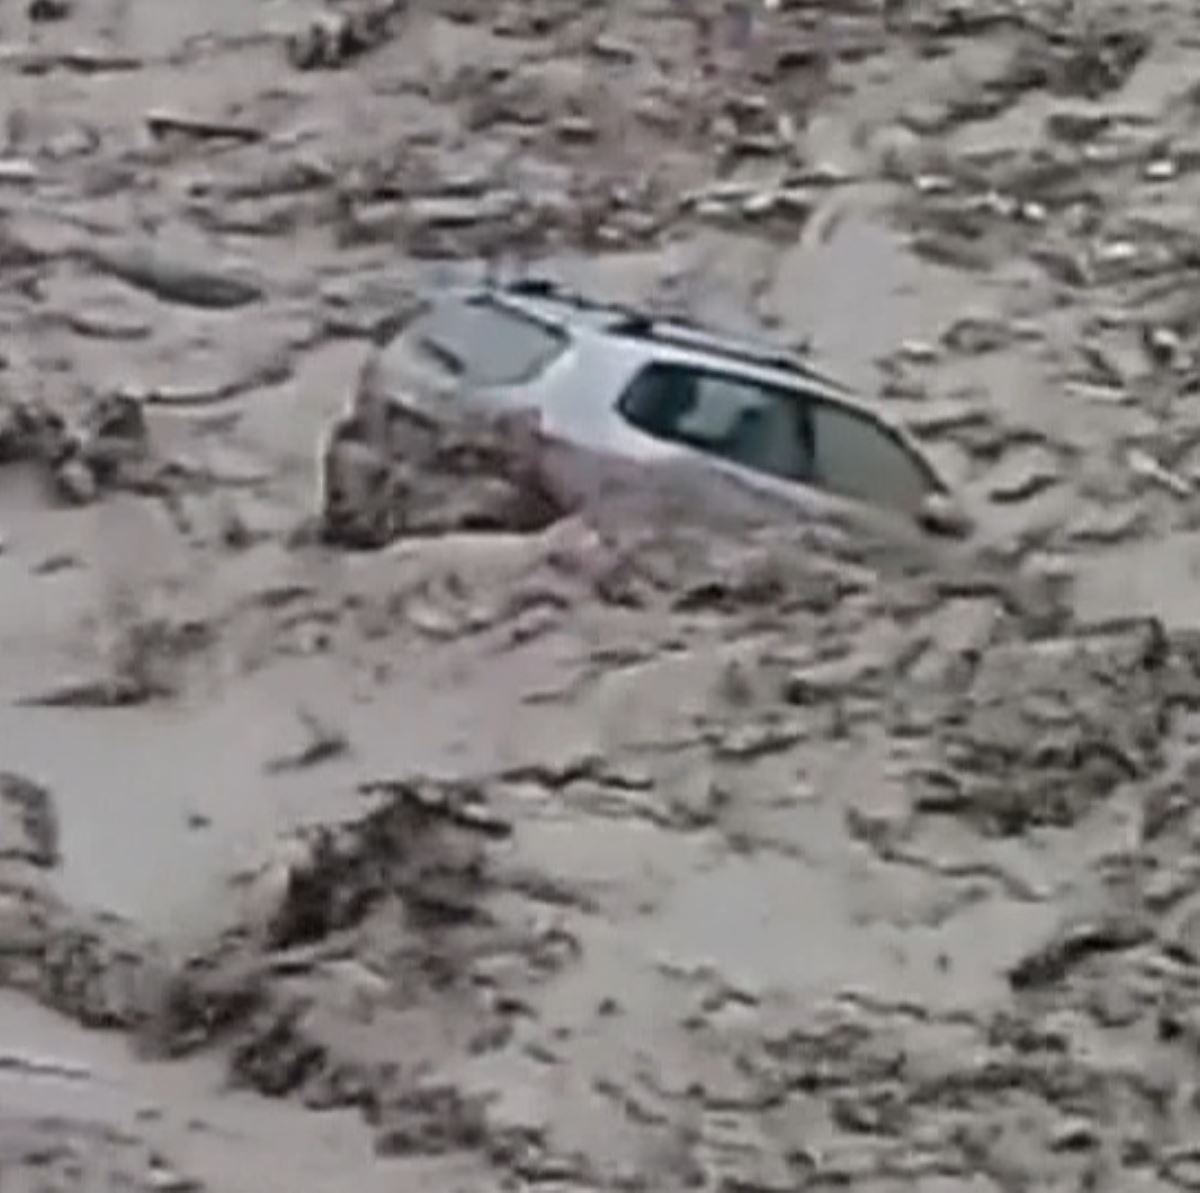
point(628, 383)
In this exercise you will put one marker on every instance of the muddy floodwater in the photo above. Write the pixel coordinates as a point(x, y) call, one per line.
point(653, 847)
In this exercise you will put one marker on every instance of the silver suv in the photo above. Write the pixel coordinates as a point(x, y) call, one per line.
point(623, 381)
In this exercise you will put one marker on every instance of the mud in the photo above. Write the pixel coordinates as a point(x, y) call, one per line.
point(451, 809)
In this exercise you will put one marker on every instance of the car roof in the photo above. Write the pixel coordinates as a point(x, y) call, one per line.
point(650, 338)
point(659, 335)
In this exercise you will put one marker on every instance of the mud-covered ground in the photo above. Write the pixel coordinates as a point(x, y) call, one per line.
point(662, 846)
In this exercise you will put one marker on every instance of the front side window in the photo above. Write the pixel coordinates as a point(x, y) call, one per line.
point(480, 342)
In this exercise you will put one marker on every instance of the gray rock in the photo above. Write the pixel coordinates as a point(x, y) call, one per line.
point(1023, 474)
point(451, 211)
point(1074, 1135)
point(1107, 525)
point(29, 827)
point(946, 417)
point(172, 279)
point(25, 905)
point(99, 971)
point(358, 491)
point(76, 481)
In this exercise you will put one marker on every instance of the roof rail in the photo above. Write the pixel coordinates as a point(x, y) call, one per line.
point(684, 333)
point(643, 324)
point(534, 287)
point(542, 287)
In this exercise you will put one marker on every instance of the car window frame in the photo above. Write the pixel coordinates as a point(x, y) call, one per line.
point(806, 397)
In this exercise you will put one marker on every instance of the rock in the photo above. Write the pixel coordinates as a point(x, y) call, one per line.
point(359, 494)
point(576, 128)
point(1181, 1167)
point(431, 1121)
point(973, 335)
point(927, 117)
point(1114, 1005)
point(744, 743)
point(735, 1152)
point(48, 10)
point(1143, 465)
point(1074, 1135)
point(25, 910)
point(421, 841)
point(882, 817)
point(902, 155)
point(1182, 933)
point(31, 431)
point(1053, 961)
point(116, 416)
point(29, 828)
point(613, 49)
point(161, 1179)
point(451, 211)
point(1095, 61)
point(821, 682)
point(697, 800)
point(170, 279)
point(412, 475)
point(76, 481)
point(1163, 346)
point(1106, 525)
point(947, 417)
point(115, 437)
point(278, 1055)
point(100, 971)
point(334, 39)
point(1076, 127)
point(1023, 474)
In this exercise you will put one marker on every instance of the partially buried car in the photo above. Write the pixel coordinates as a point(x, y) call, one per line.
point(627, 383)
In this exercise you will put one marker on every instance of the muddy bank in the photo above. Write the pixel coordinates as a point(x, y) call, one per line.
point(825, 807)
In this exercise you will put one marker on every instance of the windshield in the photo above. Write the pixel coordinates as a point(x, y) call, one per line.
point(483, 343)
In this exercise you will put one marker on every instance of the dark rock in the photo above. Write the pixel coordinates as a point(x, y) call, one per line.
point(424, 477)
point(277, 1058)
point(28, 821)
point(115, 438)
point(100, 971)
point(1054, 961)
point(431, 1121)
point(334, 39)
point(1022, 475)
point(48, 10)
point(31, 431)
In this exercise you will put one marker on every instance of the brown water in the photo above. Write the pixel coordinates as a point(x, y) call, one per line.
point(717, 896)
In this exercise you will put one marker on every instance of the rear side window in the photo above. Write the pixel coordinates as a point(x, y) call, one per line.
point(754, 425)
point(860, 458)
point(480, 342)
